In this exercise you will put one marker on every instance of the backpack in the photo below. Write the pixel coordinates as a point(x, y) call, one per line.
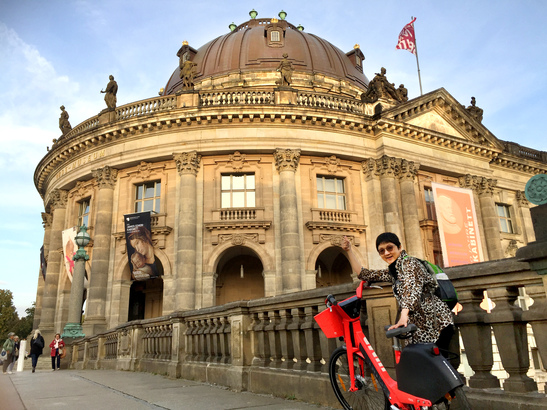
point(444, 289)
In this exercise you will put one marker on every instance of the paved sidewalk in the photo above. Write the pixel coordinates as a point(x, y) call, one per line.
point(96, 389)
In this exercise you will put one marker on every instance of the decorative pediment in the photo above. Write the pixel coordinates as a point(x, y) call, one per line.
point(439, 112)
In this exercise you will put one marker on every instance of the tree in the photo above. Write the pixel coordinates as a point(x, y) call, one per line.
point(24, 326)
point(8, 315)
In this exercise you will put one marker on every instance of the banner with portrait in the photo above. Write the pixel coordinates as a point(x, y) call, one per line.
point(69, 249)
point(458, 227)
point(140, 249)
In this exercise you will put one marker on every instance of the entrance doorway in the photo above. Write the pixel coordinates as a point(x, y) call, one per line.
point(333, 268)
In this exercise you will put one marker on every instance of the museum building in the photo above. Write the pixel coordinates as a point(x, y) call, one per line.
point(266, 146)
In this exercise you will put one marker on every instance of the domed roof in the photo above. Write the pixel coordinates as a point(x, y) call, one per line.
point(253, 47)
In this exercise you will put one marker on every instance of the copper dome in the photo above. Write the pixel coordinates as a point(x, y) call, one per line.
point(249, 48)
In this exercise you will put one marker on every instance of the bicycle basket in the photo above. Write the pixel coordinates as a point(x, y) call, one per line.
point(330, 323)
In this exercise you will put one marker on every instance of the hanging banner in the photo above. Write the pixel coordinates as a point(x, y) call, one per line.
point(458, 227)
point(69, 249)
point(140, 249)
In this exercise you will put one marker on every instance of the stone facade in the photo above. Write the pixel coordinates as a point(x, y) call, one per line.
point(286, 145)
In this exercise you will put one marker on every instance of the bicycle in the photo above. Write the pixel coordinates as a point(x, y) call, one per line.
point(425, 378)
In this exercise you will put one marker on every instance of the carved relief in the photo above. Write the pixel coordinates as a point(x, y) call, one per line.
point(511, 250)
point(187, 162)
point(521, 199)
point(333, 164)
point(237, 161)
point(387, 166)
point(286, 159)
point(335, 240)
point(468, 181)
point(59, 198)
point(238, 239)
point(369, 167)
point(106, 177)
point(144, 170)
point(481, 185)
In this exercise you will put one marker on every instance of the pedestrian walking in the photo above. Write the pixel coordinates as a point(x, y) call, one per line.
point(36, 348)
point(8, 346)
point(56, 350)
point(15, 354)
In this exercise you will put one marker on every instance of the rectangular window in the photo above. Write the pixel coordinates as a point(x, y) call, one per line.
point(83, 213)
point(275, 36)
point(238, 191)
point(331, 193)
point(430, 204)
point(504, 215)
point(147, 197)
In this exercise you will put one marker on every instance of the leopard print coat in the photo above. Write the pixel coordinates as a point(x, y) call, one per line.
point(413, 291)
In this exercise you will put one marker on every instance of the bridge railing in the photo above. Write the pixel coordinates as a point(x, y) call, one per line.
point(274, 345)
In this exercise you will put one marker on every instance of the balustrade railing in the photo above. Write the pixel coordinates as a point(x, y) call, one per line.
point(267, 342)
point(236, 98)
point(146, 107)
point(330, 102)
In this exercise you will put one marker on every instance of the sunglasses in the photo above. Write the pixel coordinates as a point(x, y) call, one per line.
point(388, 248)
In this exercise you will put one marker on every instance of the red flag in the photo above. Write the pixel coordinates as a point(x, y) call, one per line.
point(407, 39)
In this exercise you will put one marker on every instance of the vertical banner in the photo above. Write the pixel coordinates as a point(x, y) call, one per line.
point(458, 227)
point(43, 263)
point(69, 249)
point(140, 249)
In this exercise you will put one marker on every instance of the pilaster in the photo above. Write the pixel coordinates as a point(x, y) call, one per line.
point(387, 169)
point(413, 235)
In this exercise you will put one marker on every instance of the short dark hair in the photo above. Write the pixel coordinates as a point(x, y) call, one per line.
point(387, 237)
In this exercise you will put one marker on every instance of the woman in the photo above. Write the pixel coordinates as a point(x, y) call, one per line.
point(141, 241)
point(8, 346)
point(412, 287)
point(55, 346)
point(15, 354)
point(36, 348)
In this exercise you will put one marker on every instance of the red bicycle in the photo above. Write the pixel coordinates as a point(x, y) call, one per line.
point(425, 379)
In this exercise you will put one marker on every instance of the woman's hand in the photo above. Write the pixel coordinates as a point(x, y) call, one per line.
point(403, 320)
point(346, 244)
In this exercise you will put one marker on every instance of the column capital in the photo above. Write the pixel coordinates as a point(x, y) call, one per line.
point(481, 185)
point(408, 170)
point(286, 159)
point(468, 181)
point(59, 198)
point(46, 220)
point(388, 166)
point(187, 162)
point(105, 177)
point(522, 200)
point(369, 167)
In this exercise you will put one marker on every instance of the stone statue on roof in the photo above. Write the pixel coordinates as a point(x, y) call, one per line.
point(64, 124)
point(475, 111)
point(111, 91)
point(286, 69)
point(380, 87)
point(187, 73)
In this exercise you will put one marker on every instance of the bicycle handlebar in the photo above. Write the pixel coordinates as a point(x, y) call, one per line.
point(400, 332)
point(330, 300)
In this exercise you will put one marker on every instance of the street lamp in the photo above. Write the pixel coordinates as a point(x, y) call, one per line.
point(73, 328)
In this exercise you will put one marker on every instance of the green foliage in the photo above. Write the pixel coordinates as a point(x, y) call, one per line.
point(9, 319)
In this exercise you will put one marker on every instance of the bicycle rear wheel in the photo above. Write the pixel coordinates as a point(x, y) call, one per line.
point(369, 395)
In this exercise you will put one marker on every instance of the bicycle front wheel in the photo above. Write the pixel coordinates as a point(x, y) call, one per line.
point(369, 394)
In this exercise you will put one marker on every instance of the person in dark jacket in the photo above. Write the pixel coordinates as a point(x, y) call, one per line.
point(36, 348)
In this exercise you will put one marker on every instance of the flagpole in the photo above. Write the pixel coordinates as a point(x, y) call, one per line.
point(417, 61)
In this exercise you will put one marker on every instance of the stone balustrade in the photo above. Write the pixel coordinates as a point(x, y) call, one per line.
point(273, 345)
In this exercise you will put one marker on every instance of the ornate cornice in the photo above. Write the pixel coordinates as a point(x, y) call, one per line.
point(334, 226)
point(106, 177)
point(286, 159)
point(187, 162)
point(212, 226)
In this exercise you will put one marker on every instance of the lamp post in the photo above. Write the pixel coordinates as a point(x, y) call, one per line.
point(73, 328)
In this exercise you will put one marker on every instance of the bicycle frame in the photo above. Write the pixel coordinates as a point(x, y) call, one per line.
point(336, 322)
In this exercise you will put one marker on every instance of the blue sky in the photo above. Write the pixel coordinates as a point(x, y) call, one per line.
point(55, 53)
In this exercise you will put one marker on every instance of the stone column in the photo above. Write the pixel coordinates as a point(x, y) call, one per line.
point(523, 212)
point(55, 260)
point(185, 272)
point(413, 235)
point(387, 168)
point(375, 212)
point(484, 187)
point(95, 320)
point(286, 162)
point(46, 221)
